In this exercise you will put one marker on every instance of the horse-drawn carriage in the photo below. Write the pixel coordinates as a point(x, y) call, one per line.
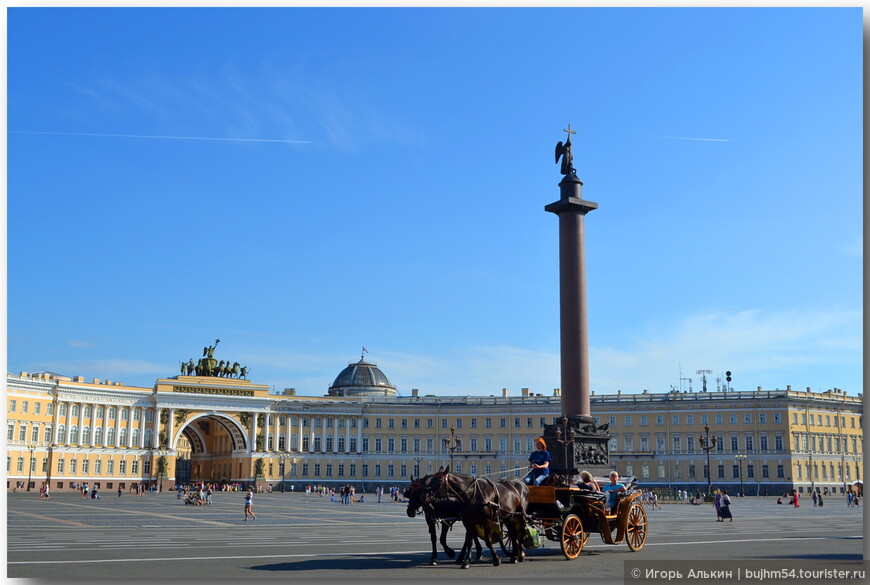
point(502, 511)
point(568, 514)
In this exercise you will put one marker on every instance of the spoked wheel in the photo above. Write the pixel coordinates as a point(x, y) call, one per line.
point(572, 537)
point(636, 528)
point(507, 545)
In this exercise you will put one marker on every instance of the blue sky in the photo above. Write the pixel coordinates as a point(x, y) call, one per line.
point(380, 181)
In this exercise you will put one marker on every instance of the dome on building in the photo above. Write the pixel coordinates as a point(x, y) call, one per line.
point(362, 379)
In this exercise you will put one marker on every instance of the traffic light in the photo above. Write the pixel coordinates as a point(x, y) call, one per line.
point(728, 376)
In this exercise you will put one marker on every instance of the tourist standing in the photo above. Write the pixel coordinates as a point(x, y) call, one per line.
point(717, 505)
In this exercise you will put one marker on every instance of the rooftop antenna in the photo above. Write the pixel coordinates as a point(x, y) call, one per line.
point(704, 377)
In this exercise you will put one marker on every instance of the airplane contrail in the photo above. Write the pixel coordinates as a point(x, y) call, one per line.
point(164, 137)
point(688, 138)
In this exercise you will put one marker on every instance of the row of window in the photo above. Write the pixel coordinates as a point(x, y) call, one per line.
point(73, 439)
point(718, 419)
point(85, 468)
point(816, 420)
point(828, 472)
point(86, 410)
point(818, 443)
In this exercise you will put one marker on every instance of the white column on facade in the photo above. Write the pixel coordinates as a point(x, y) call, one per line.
point(69, 406)
point(359, 428)
point(299, 436)
point(142, 423)
point(91, 422)
point(105, 423)
point(335, 435)
point(130, 427)
point(253, 437)
point(117, 426)
point(267, 431)
point(81, 421)
point(155, 440)
point(276, 422)
point(171, 430)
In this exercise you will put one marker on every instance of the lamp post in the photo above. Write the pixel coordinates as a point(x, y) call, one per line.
point(452, 444)
point(740, 459)
point(30, 447)
point(48, 470)
point(281, 464)
point(161, 468)
point(707, 444)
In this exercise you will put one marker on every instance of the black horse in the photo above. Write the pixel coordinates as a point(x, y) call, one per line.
point(444, 510)
point(486, 506)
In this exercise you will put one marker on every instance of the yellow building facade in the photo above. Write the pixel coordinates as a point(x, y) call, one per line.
point(204, 428)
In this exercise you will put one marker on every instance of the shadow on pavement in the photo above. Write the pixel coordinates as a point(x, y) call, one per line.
point(351, 564)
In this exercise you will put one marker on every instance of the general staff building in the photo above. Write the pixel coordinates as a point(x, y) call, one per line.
point(191, 428)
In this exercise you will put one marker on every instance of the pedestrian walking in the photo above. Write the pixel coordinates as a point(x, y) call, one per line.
point(717, 505)
point(725, 505)
point(815, 499)
point(249, 497)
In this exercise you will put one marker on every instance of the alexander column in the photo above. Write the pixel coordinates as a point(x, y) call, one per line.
point(574, 440)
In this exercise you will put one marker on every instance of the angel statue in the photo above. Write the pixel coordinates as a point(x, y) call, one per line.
point(564, 151)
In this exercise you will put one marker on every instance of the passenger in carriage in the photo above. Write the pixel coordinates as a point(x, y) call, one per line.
point(539, 463)
point(612, 489)
point(587, 482)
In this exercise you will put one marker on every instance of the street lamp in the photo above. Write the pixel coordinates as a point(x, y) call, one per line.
point(707, 444)
point(30, 447)
point(282, 459)
point(740, 459)
point(452, 444)
point(48, 470)
point(161, 468)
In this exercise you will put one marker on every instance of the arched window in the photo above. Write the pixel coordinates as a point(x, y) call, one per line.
point(135, 442)
point(73, 434)
point(98, 436)
point(148, 434)
point(123, 437)
point(86, 435)
point(110, 436)
point(61, 433)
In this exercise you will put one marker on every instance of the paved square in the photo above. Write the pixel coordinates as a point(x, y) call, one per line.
point(308, 537)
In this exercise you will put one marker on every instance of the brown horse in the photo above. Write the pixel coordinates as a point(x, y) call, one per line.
point(444, 510)
point(486, 505)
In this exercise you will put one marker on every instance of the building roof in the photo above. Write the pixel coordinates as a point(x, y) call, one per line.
point(362, 378)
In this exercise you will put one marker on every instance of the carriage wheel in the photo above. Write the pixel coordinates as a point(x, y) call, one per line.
point(572, 537)
point(636, 527)
point(507, 545)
